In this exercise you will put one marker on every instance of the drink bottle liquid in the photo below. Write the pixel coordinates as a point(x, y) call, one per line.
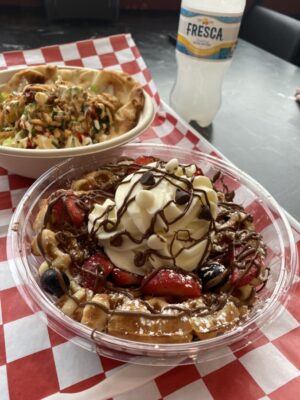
point(207, 37)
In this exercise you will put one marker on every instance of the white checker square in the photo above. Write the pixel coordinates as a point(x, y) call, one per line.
point(185, 144)
point(268, 235)
point(140, 77)
point(182, 128)
point(16, 196)
point(92, 62)
point(124, 56)
point(2, 61)
point(149, 391)
point(164, 129)
point(34, 334)
point(194, 391)
point(115, 67)
point(268, 367)
point(265, 398)
point(242, 197)
point(282, 325)
point(223, 356)
point(103, 46)
point(130, 41)
point(69, 52)
point(4, 186)
point(141, 63)
point(34, 56)
point(152, 86)
point(74, 364)
point(3, 383)
point(5, 217)
point(6, 278)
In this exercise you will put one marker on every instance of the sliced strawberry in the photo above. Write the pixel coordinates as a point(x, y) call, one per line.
point(65, 210)
point(170, 283)
point(124, 278)
point(58, 212)
point(94, 270)
point(238, 279)
point(198, 171)
point(142, 160)
point(75, 213)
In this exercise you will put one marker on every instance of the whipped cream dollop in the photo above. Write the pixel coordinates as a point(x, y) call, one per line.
point(162, 215)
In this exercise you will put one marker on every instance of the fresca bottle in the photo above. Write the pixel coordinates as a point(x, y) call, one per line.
point(207, 37)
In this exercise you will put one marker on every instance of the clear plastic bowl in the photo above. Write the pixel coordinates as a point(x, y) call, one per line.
point(268, 218)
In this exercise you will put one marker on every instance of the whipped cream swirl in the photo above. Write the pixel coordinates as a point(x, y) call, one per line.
point(162, 216)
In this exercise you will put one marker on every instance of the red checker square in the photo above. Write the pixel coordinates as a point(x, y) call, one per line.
point(215, 154)
point(257, 343)
point(149, 134)
point(293, 306)
point(289, 391)
point(55, 338)
point(33, 377)
point(74, 63)
point(5, 200)
point(13, 306)
point(3, 171)
point(157, 98)
point(289, 345)
point(51, 54)
point(119, 42)
point(2, 347)
point(173, 138)
point(135, 52)
point(148, 90)
point(14, 58)
point(109, 59)
point(3, 255)
point(192, 137)
point(171, 119)
point(109, 363)
point(232, 382)
point(158, 120)
point(83, 385)
point(229, 182)
point(147, 75)
point(19, 182)
point(131, 67)
point(176, 378)
point(261, 220)
point(86, 48)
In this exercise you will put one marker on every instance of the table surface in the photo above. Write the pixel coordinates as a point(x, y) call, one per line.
point(258, 125)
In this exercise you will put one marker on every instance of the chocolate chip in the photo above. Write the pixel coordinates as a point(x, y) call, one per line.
point(116, 241)
point(205, 213)
point(181, 197)
point(139, 259)
point(147, 179)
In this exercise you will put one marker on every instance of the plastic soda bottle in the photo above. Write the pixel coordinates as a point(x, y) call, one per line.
point(207, 37)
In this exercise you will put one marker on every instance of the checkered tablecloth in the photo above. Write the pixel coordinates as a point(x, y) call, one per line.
point(36, 362)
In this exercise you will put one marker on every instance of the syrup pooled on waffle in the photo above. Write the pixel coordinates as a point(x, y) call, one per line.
point(151, 251)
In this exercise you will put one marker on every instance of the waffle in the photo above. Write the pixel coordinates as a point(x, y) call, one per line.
point(217, 296)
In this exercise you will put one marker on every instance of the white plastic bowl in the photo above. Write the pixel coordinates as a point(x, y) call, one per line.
point(33, 162)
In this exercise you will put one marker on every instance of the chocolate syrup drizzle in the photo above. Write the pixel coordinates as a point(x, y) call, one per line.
point(250, 242)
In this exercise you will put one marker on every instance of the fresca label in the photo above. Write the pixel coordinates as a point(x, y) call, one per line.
point(212, 37)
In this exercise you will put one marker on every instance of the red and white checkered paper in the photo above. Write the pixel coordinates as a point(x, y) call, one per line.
point(36, 362)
